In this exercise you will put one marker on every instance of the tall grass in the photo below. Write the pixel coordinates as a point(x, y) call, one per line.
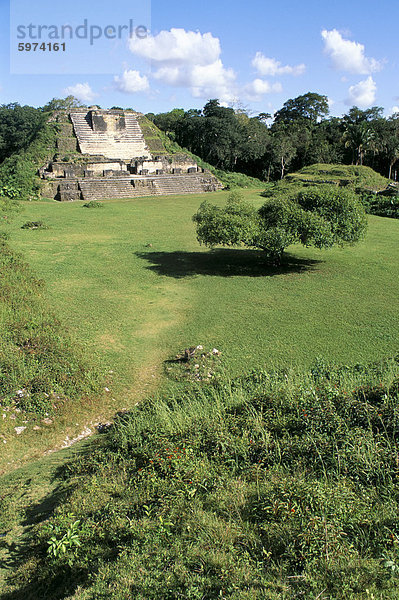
point(277, 485)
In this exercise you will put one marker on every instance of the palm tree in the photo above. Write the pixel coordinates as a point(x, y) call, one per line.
point(360, 137)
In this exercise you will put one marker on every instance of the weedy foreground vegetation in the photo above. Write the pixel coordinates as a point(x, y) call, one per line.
point(276, 485)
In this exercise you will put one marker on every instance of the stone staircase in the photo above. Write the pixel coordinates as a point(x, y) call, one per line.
point(101, 189)
point(161, 185)
point(124, 145)
point(186, 184)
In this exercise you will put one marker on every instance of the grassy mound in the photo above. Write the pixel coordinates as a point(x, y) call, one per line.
point(357, 176)
point(362, 179)
point(275, 486)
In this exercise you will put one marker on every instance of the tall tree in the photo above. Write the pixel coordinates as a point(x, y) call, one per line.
point(68, 103)
point(360, 137)
point(310, 107)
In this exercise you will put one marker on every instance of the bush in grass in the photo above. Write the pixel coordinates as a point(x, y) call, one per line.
point(93, 204)
point(34, 225)
point(320, 217)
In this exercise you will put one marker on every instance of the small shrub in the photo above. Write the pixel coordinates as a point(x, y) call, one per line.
point(34, 225)
point(64, 542)
point(93, 204)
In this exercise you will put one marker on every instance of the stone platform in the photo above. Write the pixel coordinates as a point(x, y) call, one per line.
point(111, 160)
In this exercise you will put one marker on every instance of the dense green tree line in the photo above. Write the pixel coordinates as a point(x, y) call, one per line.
point(301, 133)
point(20, 125)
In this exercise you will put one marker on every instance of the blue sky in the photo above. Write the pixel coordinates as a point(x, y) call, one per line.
point(257, 54)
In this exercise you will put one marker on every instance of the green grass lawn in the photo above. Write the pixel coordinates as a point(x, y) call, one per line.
point(134, 283)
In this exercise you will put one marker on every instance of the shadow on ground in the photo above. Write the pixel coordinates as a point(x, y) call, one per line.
point(38, 490)
point(222, 263)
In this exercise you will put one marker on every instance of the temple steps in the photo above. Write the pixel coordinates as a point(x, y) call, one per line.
point(180, 184)
point(123, 145)
point(101, 189)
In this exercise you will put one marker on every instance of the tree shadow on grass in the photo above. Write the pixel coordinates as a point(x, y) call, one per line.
point(223, 263)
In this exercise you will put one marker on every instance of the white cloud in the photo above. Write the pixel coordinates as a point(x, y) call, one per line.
point(81, 91)
point(178, 47)
point(363, 93)
point(394, 110)
point(188, 59)
point(132, 82)
point(271, 67)
point(259, 87)
point(348, 56)
point(204, 81)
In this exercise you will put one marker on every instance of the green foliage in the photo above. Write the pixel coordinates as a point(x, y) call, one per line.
point(300, 135)
point(64, 542)
point(34, 225)
point(339, 211)
point(233, 225)
point(19, 171)
point(163, 140)
point(309, 107)
point(19, 126)
point(233, 180)
point(64, 104)
point(383, 206)
point(218, 135)
point(276, 485)
point(93, 204)
point(317, 217)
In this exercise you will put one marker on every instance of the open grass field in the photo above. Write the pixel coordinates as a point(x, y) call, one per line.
point(134, 286)
point(132, 281)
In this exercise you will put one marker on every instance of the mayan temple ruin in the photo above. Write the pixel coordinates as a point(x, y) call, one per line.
point(117, 154)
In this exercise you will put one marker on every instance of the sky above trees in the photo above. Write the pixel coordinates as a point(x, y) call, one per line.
point(255, 54)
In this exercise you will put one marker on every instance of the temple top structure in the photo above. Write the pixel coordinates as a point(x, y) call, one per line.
point(114, 134)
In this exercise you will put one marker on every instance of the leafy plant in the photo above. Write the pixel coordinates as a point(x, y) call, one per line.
point(64, 542)
point(384, 206)
point(34, 225)
point(93, 204)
